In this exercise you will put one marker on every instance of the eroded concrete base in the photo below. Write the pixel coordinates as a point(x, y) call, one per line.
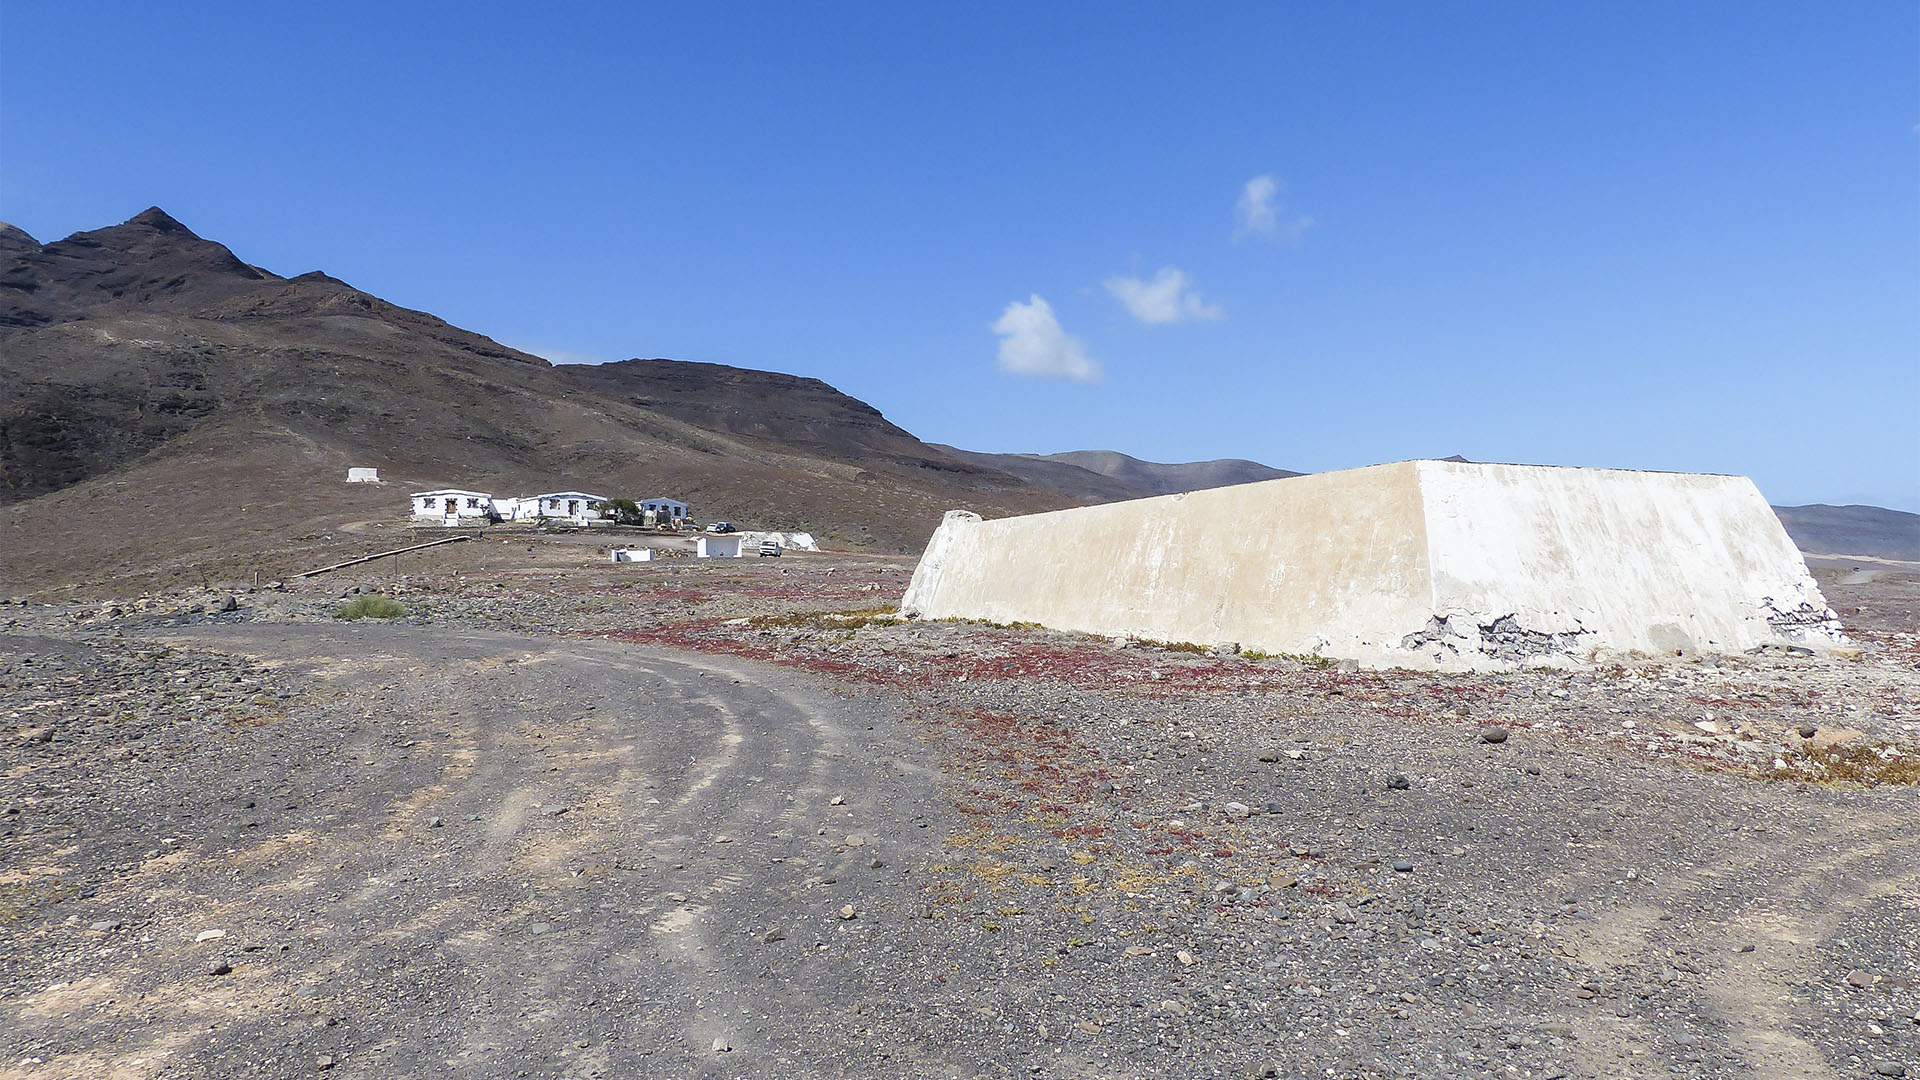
point(1419, 564)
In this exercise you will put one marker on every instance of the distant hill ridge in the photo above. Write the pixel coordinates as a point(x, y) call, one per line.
point(205, 408)
point(1853, 530)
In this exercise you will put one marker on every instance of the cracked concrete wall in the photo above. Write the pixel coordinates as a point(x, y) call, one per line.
point(1331, 561)
point(1422, 563)
point(1610, 558)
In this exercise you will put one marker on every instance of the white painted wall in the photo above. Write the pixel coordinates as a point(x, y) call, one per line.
point(363, 476)
point(717, 547)
point(1360, 564)
point(469, 507)
point(792, 541)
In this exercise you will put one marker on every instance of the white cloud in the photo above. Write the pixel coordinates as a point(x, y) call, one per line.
point(1168, 298)
point(1032, 343)
point(1257, 213)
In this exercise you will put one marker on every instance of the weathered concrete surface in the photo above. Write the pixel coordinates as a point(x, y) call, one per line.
point(1418, 563)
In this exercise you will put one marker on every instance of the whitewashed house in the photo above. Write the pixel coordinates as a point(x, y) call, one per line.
point(668, 511)
point(363, 476)
point(454, 506)
point(573, 507)
point(710, 546)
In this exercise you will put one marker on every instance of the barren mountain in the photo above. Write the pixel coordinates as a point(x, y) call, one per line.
point(1853, 530)
point(1157, 478)
point(170, 410)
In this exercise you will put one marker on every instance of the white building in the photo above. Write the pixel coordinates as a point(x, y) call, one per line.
point(573, 507)
point(669, 511)
point(454, 506)
point(644, 554)
point(709, 546)
point(363, 476)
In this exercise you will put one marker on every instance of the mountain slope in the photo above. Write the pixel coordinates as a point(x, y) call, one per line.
point(1853, 530)
point(167, 409)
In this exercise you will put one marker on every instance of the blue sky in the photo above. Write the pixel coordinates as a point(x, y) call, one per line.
point(1651, 236)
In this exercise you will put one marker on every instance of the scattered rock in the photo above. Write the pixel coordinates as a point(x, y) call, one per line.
point(1403, 866)
point(1493, 734)
point(104, 925)
point(220, 967)
point(323, 1062)
point(1807, 731)
point(721, 1045)
point(1399, 782)
point(1858, 978)
point(848, 912)
point(773, 935)
point(1889, 1068)
point(1238, 811)
point(209, 935)
point(1186, 958)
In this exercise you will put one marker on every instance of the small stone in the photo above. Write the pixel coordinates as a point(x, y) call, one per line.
point(1186, 958)
point(1807, 731)
point(1270, 756)
point(721, 1045)
point(876, 864)
point(37, 735)
point(848, 912)
point(1238, 811)
point(1399, 782)
point(855, 840)
point(556, 811)
point(230, 603)
point(1493, 734)
point(105, 925)
point(435, 823)
point(723, 838)
point(220, 968)
point(837, 800)
point(1858, 978)
point(773, 935)
point(209, 935)
point(1402, 866)
point(323, 1062)
point(1889, 1068)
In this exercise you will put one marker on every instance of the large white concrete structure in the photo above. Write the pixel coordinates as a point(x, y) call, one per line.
point(1414, 564)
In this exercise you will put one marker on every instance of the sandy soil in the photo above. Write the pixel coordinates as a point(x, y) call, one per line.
point(718, 819)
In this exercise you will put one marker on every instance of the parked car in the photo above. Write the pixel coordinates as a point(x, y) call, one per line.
point(770, 547)
point(720, 527)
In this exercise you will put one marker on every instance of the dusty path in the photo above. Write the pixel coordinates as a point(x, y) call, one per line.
point(296, 848)
point(522, 857)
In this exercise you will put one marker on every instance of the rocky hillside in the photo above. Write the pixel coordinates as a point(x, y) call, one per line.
point(1853, 530)
point(169, 410)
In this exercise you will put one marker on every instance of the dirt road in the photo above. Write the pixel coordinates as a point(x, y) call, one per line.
point(487, 855)
point(262, 847)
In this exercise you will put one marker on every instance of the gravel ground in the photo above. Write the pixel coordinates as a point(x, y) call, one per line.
point(1064, 856)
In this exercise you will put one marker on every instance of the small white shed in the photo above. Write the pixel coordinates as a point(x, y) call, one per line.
point(644, 554)
point(708, 546)
point(363, 476)
point(453, 506)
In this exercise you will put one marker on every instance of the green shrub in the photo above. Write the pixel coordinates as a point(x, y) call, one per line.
point(371, 607)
